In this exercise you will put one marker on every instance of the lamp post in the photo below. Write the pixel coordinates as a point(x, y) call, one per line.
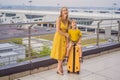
point(113, 10)
point(29, 34)
point(23, 6)
point(0, 6)
point(29, 38)
point(114, 6)
point(112, 16)
point(58, 5)
point(30, 9)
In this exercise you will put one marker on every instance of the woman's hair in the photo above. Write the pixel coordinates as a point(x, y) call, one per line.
point(67, 18)
point(61, 13)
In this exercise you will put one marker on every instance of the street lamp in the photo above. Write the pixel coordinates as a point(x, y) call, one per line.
point(30, 9)
point(23, 5)
point(113, 12)
point(29, 37)
point(114, 7)
point(29, 32)
point(58, 5)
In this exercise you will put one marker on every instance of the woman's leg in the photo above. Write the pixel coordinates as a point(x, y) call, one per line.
point(60, 67)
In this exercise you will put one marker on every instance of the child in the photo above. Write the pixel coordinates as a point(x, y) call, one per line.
point(74, 36)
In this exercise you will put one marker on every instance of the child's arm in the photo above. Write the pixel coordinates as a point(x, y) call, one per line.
point(80, 50)
point(80, 37)
point(79, 41)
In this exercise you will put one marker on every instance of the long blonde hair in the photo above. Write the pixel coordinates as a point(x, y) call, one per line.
point(67, 18)
point(60, 16)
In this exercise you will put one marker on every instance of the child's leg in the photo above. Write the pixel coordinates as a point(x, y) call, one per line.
point(80, 51)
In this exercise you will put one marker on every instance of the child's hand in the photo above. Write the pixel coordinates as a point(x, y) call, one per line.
point(80, 45)
point(81, 59)
point(72, 43)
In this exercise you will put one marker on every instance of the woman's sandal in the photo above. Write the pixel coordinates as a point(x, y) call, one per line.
point(58, 72)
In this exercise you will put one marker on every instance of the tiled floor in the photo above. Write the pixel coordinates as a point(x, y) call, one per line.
point(104, 67)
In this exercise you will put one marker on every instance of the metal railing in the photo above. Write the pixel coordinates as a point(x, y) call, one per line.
point(100, 25)
point(31, 25)
point(28, 34)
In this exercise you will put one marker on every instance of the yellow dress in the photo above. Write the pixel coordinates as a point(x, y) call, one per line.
point(59, 43)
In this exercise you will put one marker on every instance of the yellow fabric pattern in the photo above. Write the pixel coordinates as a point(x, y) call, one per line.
point(74, 34)
point(59, 43)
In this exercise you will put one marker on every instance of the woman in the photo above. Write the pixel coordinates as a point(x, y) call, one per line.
point(59, 47)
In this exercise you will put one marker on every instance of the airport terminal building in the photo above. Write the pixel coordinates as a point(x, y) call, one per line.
point(11, 53)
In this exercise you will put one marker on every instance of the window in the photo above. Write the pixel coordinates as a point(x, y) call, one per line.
point(35, 20)
point(5, 50)
point(83, 21)
point(117, 12)
point(10, 14)
point(33, 16)
point(104, 11)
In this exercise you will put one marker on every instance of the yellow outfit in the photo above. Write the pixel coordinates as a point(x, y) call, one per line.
point(59, 43)
point(74, 34)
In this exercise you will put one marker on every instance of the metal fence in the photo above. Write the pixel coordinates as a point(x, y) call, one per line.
point(99, 29)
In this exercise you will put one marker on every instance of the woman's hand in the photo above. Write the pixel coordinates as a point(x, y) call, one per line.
point(66, 34)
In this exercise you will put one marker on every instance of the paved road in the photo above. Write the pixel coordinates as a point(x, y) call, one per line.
point(12, 32)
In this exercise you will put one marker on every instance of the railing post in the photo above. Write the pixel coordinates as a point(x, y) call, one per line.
point(9, 60)
point(29, 45)
point(29, 41)
point(118, 31)
point(98, 27)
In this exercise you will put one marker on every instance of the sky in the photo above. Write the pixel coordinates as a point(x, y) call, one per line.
point(67, 3)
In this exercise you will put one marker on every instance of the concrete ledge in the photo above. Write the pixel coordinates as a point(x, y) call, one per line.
point(101, 53)
point(4, 78)
point(25, 73)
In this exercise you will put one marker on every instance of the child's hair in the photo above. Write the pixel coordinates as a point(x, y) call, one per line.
point(71, 23)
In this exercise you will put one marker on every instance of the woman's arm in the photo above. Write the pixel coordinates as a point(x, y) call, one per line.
point(58, 28)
